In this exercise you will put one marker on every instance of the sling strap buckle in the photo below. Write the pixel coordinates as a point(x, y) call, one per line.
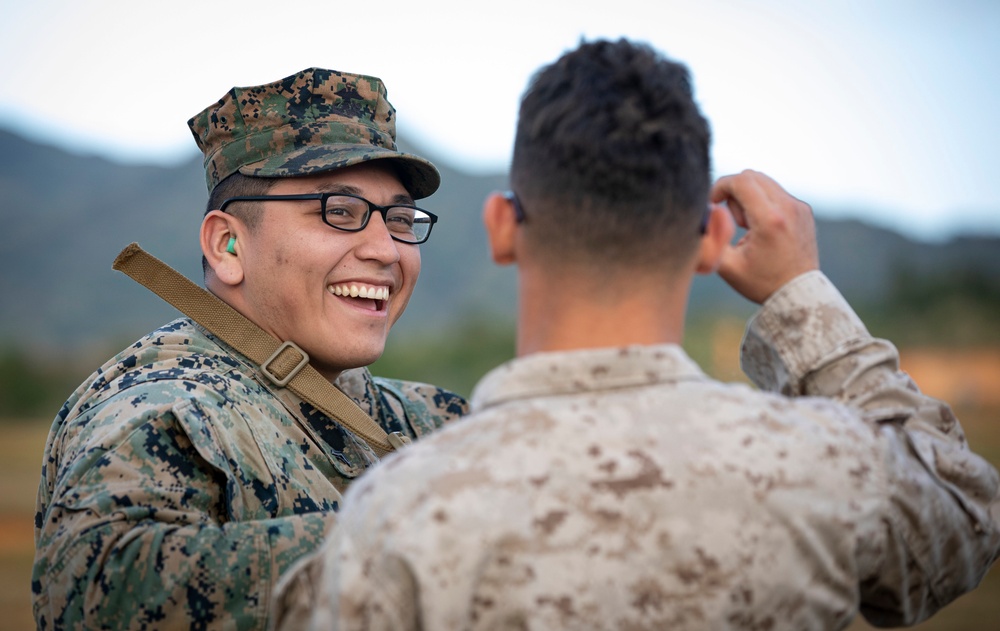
point(269, 372)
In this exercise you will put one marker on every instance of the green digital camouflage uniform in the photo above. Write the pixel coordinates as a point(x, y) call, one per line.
point(177, 484)
point(623, 489)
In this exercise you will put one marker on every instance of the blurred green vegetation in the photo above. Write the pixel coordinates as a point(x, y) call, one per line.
point(957, 309)
point(31, 387)
point(454, 359)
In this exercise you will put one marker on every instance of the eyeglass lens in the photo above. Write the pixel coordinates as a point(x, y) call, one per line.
point(351, 213)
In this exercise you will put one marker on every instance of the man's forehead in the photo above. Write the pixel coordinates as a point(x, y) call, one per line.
point(355, 180)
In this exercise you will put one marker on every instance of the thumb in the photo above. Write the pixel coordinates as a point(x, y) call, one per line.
point(732, 264)
point(736, 270)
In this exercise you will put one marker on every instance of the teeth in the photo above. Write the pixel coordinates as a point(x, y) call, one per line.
point(360, 291)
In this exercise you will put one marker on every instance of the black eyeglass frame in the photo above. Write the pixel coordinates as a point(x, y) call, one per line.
point(520, 217)
point(322, 197)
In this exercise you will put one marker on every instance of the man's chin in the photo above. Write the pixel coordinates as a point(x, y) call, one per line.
point(361, 359)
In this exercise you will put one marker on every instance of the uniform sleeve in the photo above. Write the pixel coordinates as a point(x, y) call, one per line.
point(941, 530)
point(136, 530)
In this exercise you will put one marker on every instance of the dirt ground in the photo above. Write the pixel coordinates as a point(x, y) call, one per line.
point(21, 445)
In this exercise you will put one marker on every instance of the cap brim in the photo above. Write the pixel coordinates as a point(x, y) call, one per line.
point(419, 176)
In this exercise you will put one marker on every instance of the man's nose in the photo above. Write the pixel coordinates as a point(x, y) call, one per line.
point(377, 242)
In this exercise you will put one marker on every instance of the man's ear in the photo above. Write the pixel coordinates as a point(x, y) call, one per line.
point(501, 228)
point(719, 231)
point(221, 246)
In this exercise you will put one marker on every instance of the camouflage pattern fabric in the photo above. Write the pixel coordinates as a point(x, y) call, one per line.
point(177, 485)
point(623, 489)
point(315, 120)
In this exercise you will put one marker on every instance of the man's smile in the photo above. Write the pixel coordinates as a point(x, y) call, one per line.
point(378, 294)
point(357, 290)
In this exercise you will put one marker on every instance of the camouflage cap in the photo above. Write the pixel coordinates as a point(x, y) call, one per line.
point(315, 120)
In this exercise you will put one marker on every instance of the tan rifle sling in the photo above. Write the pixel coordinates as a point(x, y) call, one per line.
point(282, 363)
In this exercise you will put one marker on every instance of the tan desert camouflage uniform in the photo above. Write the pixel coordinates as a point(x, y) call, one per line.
point(623, 489)
point(177, 485)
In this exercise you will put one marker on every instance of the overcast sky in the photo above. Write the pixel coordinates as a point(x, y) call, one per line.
point(885, 106)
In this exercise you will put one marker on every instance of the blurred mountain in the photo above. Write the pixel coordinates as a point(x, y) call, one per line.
point(66, 216)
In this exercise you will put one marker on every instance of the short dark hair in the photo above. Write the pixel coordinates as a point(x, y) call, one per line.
point(238, 185)
point(611, 157)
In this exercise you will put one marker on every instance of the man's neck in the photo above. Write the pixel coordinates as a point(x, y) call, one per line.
point(560, 313)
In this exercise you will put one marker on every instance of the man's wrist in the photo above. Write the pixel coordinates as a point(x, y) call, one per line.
point(800, 325)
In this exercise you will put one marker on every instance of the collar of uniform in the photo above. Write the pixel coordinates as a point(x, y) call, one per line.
point(350, 455)
point(573, 372)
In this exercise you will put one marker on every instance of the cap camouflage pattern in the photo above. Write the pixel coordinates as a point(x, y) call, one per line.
point(315, 120)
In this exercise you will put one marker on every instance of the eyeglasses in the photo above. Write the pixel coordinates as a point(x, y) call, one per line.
point(520, 217)
point(350, 213)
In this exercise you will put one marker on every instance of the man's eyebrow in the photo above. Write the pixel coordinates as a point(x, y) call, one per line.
point(338, 188)
point(402, 199)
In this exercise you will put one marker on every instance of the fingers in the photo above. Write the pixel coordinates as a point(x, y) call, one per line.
point(780, 239)
point(749, 195)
